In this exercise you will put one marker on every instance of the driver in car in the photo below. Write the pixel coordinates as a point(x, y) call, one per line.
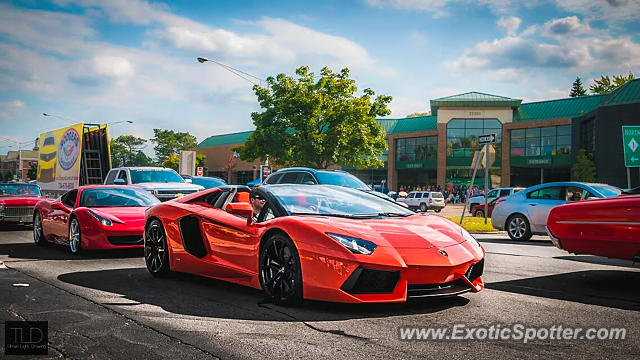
point(257, 202)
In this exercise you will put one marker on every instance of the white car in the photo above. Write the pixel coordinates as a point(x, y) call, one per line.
point(525, 213)
point(424, 200)
point(492, 195)
point(164, 183)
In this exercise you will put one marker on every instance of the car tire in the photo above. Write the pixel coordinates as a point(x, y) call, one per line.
point(280, 273)
point(423, 207)
point(478, 213)
point(38, 234)
point(437, 210)
point(156, 252)
point(518, 228)
point(471, 206)
point(75, 236)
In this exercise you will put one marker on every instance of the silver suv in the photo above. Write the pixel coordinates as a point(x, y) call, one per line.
point(424, 200)
point(164, 183)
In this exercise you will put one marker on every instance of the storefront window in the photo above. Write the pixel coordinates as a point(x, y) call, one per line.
point(462, 136)
point(546, 141)
point(417, 148)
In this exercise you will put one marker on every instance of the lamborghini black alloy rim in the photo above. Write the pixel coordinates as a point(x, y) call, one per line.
point(154, 248)
point(279, 269)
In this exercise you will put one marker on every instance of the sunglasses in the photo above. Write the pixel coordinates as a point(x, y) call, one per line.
point(258, 197)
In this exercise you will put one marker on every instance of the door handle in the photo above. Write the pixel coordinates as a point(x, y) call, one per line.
point(532, 204)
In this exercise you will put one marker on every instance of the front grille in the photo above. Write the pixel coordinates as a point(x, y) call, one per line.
point(371, 281)
point(126, 240)
point(445, 289)
point(47, 157)
point(166, 193)
point(18, 211)
point(475, 270)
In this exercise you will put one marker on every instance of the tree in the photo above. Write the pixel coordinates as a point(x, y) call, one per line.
point(416, 114)
point(605, 85)
point(316, 122)
point(200, 159)
point(126, 150)
point(584, 169)
point(169, 142)
point(173, 162)
point(577, 89)
point(33, 171)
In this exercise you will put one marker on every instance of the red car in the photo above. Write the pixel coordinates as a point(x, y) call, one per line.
point(320, 242)
point(93, 217)
point(478, 209)
point(606, 227)
point(17, 201)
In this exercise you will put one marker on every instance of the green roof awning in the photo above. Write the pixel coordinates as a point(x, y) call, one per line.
point(474, 99)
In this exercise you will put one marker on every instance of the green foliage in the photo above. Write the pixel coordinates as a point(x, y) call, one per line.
point(577, 89)
point(8, 176)
point(169, 142)
point(173, 162)
point(605, 84)
point(584, 169)
point(126, 150)
point(200, 158)
point(316, 122)
point(33, 171)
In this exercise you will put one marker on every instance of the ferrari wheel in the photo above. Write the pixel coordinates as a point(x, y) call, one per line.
point(74, 236)
point(423, 207)
point(280, 272)
point(518, 228)
point(156, 255)
point(38, 235)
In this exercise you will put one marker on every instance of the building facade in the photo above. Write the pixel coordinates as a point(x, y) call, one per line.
point(16, 164)
point(536, 142)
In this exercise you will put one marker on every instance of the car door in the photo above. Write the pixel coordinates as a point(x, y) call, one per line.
point(491, 195)
point(59, 215)
point(540, 202)
point(410, 200)
point(232, 243)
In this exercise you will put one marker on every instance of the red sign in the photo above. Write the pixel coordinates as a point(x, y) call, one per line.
point(199, 170)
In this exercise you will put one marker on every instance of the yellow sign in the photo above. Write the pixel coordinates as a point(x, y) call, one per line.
point(59, 158)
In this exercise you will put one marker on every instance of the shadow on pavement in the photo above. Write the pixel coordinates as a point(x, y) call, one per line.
point(511, 242)
point(199, 296)
point(610, 288)
point(600, 260)
point(60, 252)
point(14, 227)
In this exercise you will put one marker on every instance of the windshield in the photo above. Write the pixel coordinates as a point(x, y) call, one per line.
point(146, 176)
point(116, 197)
point(334, 201)
point(19, 190)
point(207, 183)
point(340, 179)
point(607, 190)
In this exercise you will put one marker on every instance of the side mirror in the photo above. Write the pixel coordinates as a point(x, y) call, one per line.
point(241, 209)
point(119, 182)
point(309, 182)
point(60, 206)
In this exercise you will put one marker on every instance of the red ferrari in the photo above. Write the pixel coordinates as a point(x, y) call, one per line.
point(17, 201)
point(318, 242)
point(93, 217)
point(606, 227)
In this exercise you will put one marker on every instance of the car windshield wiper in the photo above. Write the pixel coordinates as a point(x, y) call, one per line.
point(386, 214)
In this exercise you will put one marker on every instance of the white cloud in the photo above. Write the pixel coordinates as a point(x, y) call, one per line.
point(509, 24)
point(114, 66)
point(569, 25)
point(608, 10)
point(402, 106)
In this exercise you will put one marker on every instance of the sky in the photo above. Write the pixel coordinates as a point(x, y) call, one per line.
point(101, 61)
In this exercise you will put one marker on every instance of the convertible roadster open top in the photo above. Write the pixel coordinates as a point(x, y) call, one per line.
point(318, 242)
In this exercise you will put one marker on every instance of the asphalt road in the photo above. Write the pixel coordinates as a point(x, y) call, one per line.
point(106, 305)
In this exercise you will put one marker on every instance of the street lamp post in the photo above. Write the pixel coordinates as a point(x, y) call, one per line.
point(120, 122)
point(60, 117)
point(234, 71)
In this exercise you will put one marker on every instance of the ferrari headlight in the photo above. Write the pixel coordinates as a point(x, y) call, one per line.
point(355, 245)
point(103, 220)
point(467, 237)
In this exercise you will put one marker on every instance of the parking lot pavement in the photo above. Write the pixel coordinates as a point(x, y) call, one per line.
point(106, 305)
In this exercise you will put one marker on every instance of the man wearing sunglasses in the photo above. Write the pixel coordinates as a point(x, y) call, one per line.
point(257, 202)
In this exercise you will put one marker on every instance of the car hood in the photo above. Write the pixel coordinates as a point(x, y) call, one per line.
point(412, 232)
point(19, 200)
point(168, 185)
point(128, 215)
